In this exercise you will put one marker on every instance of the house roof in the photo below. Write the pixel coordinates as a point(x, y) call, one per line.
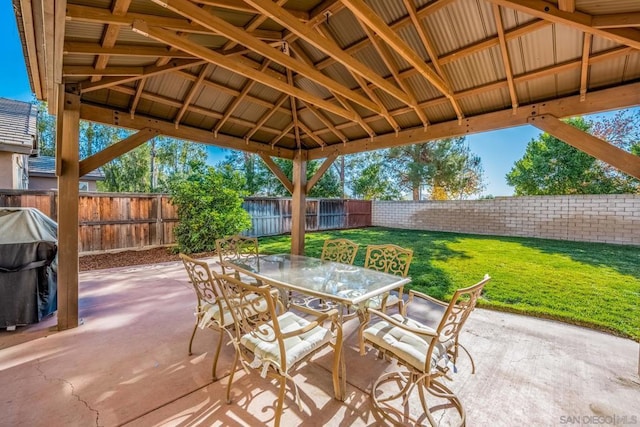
point(45, 166)
point(332, 77)
point(17, 126)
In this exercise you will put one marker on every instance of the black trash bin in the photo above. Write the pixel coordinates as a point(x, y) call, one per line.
point(28, 266)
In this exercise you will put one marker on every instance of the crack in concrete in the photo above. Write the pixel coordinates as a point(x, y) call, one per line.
point(73, 392)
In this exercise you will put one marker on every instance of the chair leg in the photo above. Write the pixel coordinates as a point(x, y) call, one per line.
point(473, 365)
point(280, 404)
point(233, 371)
point(193, 334)
point(217, 354)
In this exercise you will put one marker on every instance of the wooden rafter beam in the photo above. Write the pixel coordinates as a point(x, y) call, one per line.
point(281, 135)
point(363, 84)
point(110, 36)
point(567, 5)
point(392, 66)
point(25, 13)
point(124, 119)
point(115, 150)
point(326, 122)
point(596, 147)
point(82, 70)
point(195, 87)
point(327, 46)
point(266, 116)
point(104, 16)
point(311, 134)
point(237, 100)
point(617, 20)
point(368, 16)
point(148, 71)
point(321, 171)
point(254, 24)
point(294, 110)
point(232, 64)
point(584, 69)
point(85, 48)
point(273, 167)
point(504, 52)
point(214, 23)
point(431, 51)
point(136, 97)
point(578, 20)
point(242, 7)
point(624, 96)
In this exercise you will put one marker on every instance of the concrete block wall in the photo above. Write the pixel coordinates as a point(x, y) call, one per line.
point(590, 218)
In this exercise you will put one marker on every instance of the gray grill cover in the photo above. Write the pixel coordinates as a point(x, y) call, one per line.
point(28, 266)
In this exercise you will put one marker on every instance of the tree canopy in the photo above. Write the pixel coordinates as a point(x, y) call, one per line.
point(552, 167)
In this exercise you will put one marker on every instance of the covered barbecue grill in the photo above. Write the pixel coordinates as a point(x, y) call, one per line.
point(28, 266)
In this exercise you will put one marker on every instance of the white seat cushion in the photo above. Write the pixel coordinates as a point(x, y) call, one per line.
point(266, 349)
point(406, 345)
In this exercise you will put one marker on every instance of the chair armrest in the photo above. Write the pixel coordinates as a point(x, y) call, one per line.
point(424, 296)
point(418, 331)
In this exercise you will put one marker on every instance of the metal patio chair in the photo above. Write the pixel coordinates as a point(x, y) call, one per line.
point(339, 250)
point(426, 353)
point(275, 341)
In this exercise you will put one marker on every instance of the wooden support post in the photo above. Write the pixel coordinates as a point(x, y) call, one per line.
point(299, 203)
point(68, 122)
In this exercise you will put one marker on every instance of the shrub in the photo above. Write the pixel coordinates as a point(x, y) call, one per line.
point(209, 207)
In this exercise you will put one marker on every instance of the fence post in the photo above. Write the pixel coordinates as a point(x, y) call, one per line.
point(159, 227)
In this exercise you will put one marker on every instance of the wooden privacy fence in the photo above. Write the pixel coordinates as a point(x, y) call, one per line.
point(271, 216)
point(111, 221)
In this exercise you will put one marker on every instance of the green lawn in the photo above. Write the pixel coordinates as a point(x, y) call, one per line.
point(595, 285)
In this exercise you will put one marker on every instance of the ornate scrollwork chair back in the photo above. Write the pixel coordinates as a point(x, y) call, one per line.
point(236, 248)
point(339, 250)
point(211, 309)
point(391, 259)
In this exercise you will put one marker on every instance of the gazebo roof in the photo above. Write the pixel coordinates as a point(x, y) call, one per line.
point(332, 76)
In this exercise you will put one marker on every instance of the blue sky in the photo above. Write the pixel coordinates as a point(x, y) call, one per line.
point(498, 149)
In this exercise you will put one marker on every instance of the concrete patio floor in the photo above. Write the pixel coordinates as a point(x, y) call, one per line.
point(128, 365)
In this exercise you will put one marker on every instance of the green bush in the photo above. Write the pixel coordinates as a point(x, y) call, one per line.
point(209, 207)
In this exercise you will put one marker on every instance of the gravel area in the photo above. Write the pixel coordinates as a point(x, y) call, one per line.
point(135, 257)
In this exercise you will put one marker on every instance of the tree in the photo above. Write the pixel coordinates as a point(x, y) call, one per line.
point(209, 207)
point(550, 166)
point(150, 167)
point(369, 178)
point(260, 181)
point(446, 168)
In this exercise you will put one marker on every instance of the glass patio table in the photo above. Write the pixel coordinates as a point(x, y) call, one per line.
point(319, 281)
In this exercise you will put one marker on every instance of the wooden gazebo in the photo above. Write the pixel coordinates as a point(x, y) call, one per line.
point(313, 79)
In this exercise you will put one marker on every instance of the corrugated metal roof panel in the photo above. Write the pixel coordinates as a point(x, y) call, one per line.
point(568, 43)
point(598, 44)
point(532, 51)
point(606, 73)
point(474, 70)
point(459, 24)
point(339, 74)
point(421, 88)
point(632, 69)
point(84, 31)
point(568, 82)
point(344, 28)
point(440, 113)
point(389, 10)
point(600, 7)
